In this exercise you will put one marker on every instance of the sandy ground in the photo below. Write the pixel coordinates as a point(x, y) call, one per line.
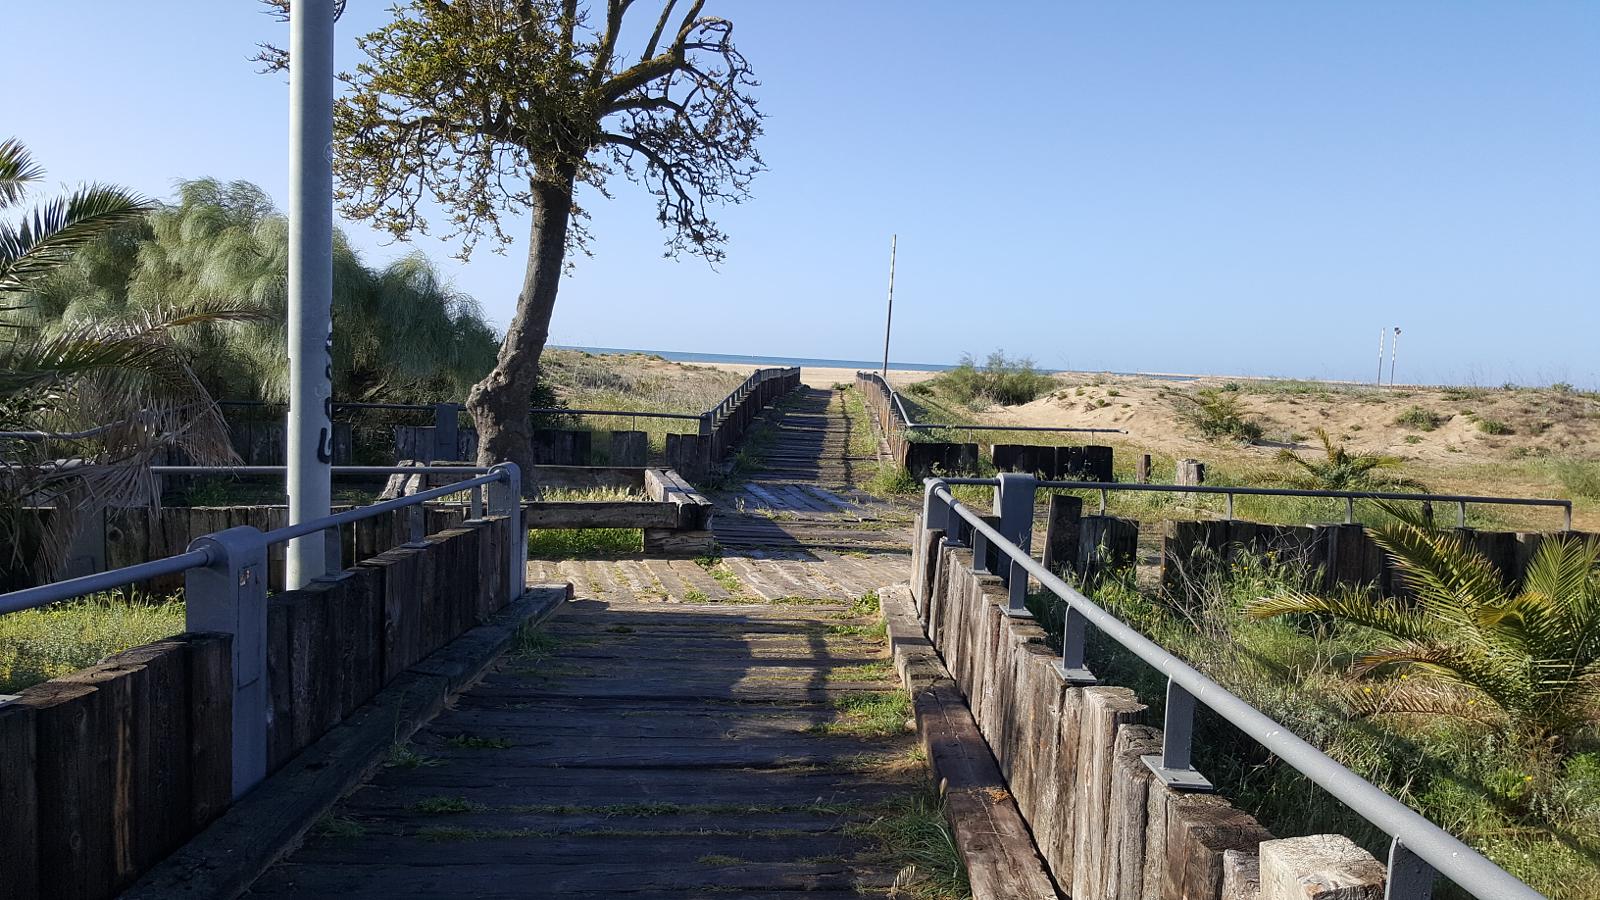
point(825, 377)
point(1490, 441)
point(1534, 422)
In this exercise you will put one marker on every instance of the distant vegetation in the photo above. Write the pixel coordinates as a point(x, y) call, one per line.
point(1420, 419)
point(401, 333)
point(1001, 380)
point(1343, 469)
point(1218, 413)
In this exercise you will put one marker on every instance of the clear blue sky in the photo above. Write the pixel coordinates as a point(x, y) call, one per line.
point(1237, 187)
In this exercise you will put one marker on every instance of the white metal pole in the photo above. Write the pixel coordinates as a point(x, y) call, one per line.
point(310, 431)
point(1394, 351)
point(1382, 332)
point(888, 321)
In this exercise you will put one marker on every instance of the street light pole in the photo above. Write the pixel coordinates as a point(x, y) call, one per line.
point(1394, 351)
point(1381, 333)
point(310, 427)
point(888, 321)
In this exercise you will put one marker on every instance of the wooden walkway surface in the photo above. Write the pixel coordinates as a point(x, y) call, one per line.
point(685, 729)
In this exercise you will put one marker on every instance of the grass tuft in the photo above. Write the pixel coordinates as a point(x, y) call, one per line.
point(868, 714)
point(584, 543)
point(39, 644)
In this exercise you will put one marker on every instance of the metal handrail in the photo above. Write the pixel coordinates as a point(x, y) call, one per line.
point(200, 557)
point(458, 407)
point(44, 594)
point(759, 376)
point(1414, 837)
point(337, 470)
point(1229, 491)
point(913, 425)
point(225, 581)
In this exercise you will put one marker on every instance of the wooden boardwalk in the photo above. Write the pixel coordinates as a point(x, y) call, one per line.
point(685, 729)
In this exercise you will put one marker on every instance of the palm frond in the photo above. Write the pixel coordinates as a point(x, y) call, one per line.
point(1453, 580)
point(1416, 697)
point(17, 171)
point(1384, 615)
point(47, 238)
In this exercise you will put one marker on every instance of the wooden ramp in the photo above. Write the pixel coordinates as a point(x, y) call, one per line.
point(684, 729)
point(804, 491)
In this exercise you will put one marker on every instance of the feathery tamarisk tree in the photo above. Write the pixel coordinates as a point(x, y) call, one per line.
point(487, 108)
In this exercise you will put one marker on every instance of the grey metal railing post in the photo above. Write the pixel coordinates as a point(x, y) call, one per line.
point(1230, 508)
point(1173, 764)
point(230, 596)
point(505, 499)
point(1013, 502)
point(1074, 634)
point(935, 512)
point(1349, 510)
point(475, 502)
point(1568, 509)
point(980, 551)
point(1461, 514)
point(1102, 501)
point(1410, 878)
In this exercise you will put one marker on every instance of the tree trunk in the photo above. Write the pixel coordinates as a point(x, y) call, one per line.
point(499, 403)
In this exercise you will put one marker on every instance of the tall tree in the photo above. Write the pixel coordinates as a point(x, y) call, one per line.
point(84, 407)
point(401, 332)
point(488, 108)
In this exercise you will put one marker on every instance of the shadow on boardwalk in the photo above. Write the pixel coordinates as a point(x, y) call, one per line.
point(685, 730)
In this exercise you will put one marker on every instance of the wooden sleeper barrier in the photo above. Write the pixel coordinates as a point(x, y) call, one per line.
point(923, 459)
point(107, 770)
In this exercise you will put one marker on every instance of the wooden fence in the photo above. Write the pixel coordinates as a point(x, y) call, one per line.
point(551, 446)
point(107, 770)
point(925, 458)
point(695, 455)
point(1333, 556)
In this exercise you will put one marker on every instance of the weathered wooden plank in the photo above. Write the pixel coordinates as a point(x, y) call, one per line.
point(1241, 875)
point(210, 752)
point(1197, 836)
point(1105, 711)
point(1128, 810)
point(75, 825)
point(1319, 867)
point(672, 542)
point(600, 514)
point(19, 798)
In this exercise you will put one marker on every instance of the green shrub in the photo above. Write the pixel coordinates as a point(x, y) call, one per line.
point(1579, 476)
point(1493, 426)
point(1420, 419)
point(1001, 380)
point(1218, 414)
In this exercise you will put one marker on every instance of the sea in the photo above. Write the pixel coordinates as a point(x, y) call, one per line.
point(820, 362)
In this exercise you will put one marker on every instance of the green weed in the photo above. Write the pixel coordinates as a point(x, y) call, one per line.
point(584, 543)
point(868, 714)
point(39, 644)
